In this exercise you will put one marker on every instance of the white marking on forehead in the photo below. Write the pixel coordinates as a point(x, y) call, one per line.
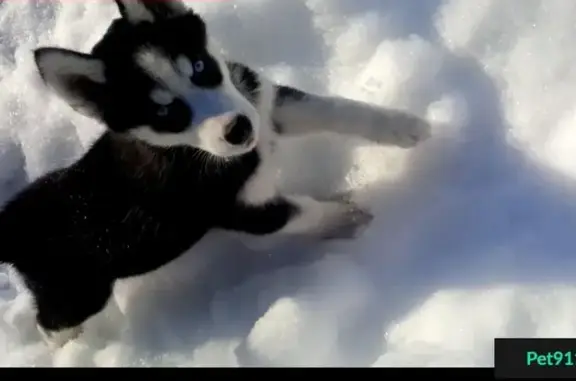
point(163, 70)
point(162, 97)
point(184, 66)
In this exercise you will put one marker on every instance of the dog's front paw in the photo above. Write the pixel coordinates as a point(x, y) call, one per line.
point(346, 220)
point(401, 129)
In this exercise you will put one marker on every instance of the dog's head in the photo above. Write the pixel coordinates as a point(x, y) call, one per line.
point(155, 76)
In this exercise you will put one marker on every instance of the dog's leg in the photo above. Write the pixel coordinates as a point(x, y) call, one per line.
point(296, 112)
point(61, 309)
point(300, 216)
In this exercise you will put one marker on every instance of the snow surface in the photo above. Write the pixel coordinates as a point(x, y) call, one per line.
point(474, 233)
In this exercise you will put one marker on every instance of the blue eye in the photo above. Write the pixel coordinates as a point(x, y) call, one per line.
point(199, 66)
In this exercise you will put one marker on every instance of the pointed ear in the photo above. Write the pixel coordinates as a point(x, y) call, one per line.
point(76, 77)
point(137, 11)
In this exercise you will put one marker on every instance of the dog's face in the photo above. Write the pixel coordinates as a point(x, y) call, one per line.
point(154, 76)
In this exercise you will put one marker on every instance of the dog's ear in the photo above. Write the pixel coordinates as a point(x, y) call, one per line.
point(137, 11)
point(77, 78)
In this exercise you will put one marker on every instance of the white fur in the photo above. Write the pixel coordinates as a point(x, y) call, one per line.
point(324, 114)
point(261, 187)
point(162, 97)
point(349, 117)
point(315, 218)
point(214, 109)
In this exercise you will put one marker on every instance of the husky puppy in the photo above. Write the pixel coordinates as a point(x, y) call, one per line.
point(187, 148)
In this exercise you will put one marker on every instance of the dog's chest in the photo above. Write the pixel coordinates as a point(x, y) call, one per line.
point(216, 183)
point(261, 185)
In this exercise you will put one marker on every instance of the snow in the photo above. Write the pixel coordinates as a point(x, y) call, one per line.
point(474, 231)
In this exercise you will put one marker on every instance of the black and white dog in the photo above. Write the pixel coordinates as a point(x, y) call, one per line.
point(188, 148)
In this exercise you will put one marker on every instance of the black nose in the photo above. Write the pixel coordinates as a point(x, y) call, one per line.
point(239, 131)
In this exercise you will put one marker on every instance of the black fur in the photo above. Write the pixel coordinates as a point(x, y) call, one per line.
point(164, 9)
point(289, 94)
point(246, 80)
point(286, 94)
point(125, 208)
